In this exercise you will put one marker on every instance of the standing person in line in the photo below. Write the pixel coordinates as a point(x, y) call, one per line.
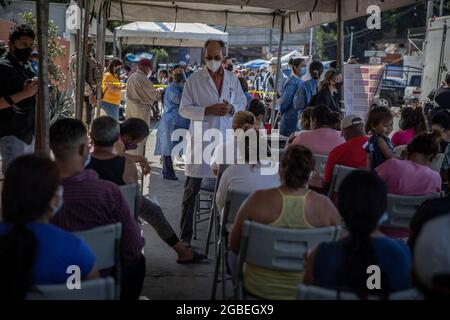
point(111, 89)
point(305, 93)
point(329, 90)
point(290, 114)
point(17, 96)
point(140, 96)
point(170, 121)
point(269, 82)
point(210, 98)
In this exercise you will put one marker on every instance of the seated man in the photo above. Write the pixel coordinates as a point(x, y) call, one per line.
point(105, 132)
point(90, 202)
point(350, 153)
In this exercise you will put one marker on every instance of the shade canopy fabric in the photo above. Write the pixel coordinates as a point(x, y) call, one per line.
point(168, 34)
point(300, 14)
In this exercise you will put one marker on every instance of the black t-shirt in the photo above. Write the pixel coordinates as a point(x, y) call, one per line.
point(19, 120)
point(442, 97)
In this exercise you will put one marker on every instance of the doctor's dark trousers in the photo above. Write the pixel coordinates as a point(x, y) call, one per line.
point(191, 189)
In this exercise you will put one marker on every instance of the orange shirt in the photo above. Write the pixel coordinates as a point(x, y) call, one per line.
point(109, 96)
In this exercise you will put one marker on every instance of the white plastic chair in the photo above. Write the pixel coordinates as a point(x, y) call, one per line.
point(233, 201)
point(130, 192)
point(275, 248)
point(401, 209)
point(96, 289)
point(437, 162)
point(105, 242)
point(305, 292)
point(339, 174)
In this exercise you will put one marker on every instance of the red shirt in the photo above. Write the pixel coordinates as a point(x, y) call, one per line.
point(217, 77)
point(350, 154)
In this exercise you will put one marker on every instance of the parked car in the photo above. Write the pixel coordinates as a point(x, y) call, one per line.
point(413, 91)
point(392, 92)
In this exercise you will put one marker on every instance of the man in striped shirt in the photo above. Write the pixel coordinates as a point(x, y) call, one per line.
point(90, 202)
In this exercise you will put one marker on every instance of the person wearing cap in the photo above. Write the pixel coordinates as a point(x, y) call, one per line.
point(34, 58)
point(352, 60)
point(140, 96)
point(269, 82)
point(210, 99)
point(289, 113)
point(431, 267)
point(93, 77)
point(187, 71)
point(351, 153)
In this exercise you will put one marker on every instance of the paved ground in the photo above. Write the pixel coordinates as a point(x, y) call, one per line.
point(165, 278)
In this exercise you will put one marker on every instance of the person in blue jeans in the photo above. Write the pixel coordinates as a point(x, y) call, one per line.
point(289, 112)
point(343, 265)
point(112, 88)
point(34, 252)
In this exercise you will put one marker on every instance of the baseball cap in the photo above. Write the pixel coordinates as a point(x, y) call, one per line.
point(145, 62)
point(34, 54)
point(182, 63)
point(432, 250)
point(350, 120)
point(273, 61)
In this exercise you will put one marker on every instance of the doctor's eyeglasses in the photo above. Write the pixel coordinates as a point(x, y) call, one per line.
point(216, 58)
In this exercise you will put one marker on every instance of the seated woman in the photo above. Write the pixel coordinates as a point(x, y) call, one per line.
point(256, 107)
point(412, 123)
point(342, 265)
point(247, 176)
point(121, 171)
point(241, 119)
point(290, 206)
point(413, 176)
point(34, 252)
point(322, 138)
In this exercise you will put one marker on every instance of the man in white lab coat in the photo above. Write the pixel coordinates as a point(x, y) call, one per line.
point(210, 98)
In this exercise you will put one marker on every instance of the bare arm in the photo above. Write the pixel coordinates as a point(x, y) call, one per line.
point(244, 213)
point(388, 154)
point(29, 90)
point(130, 174)
point(94, 274)
point(308, 277)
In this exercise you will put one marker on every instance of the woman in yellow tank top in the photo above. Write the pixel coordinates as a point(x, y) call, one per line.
point(291, 206)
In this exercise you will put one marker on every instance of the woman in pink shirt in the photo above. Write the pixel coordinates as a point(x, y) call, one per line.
point(414, 176)
point(412, 123)
point(322, 138)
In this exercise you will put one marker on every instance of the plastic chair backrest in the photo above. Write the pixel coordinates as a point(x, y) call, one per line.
point(280, 248)
point(339, 174)
point(130, 193)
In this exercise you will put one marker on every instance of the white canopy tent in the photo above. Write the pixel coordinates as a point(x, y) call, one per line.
point(299, 14)
point(168, 34)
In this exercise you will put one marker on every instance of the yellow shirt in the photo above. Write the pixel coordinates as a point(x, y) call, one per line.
point(108, 95)
point(273, 284)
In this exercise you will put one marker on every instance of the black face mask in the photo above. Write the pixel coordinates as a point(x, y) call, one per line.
point(178, 77)
point(22, 54)
point(230, 67)
point(338, 85)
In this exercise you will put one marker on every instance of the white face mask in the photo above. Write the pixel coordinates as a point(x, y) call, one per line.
point(213, 65)
point(149, 74)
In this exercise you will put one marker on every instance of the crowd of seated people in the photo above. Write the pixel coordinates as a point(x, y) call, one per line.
point(79, 191)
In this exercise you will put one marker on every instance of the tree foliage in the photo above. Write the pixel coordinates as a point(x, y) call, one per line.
point(56, 76)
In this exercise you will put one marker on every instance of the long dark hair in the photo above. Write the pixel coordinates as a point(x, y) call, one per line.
point(30, 183)
point(362, 201)
point(414, 118)
point(113, 64)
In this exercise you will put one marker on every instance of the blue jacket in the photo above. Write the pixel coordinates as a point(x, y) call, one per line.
point(171, 120)
point(289, 114)
point(305, 93)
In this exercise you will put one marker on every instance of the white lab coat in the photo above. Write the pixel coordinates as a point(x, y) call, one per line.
point(199, 93)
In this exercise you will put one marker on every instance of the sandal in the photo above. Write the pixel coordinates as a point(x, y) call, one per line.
point(196, 257)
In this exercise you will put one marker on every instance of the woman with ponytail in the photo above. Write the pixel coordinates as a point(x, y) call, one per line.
point(343, 265)
point(289, 113)
point(33, 252)
point(414, 176)
point(308, 89)
point(290, 206)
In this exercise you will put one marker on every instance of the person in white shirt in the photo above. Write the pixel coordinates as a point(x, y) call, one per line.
point(210, 98)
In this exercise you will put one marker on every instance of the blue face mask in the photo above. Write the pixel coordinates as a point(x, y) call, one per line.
point(60, 194)
point(88, 160)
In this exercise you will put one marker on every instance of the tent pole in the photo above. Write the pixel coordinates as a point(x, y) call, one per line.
point(78, 86)
point(340, 45)
point(278, 74)
point(101, 27)
point(83, 58)
point(42, 117)
point(114, 43)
